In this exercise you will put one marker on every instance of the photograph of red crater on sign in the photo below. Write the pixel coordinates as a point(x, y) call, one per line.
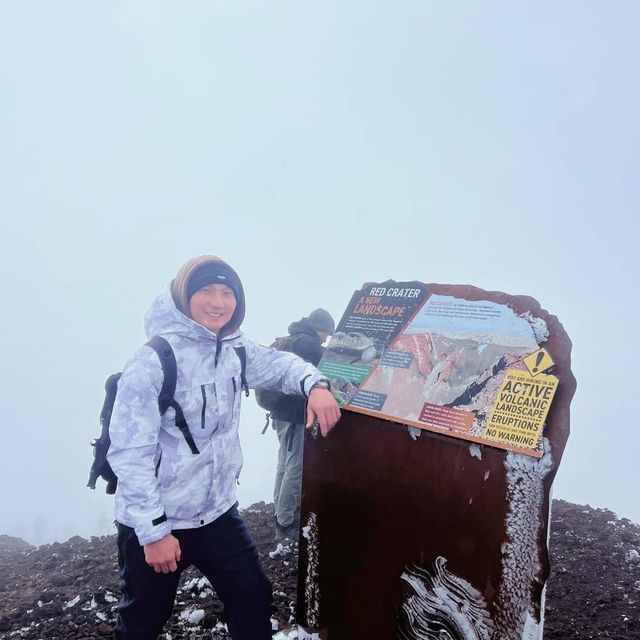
point(471, 369)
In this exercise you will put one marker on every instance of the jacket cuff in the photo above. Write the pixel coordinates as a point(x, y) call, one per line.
point(309, 380)
point(154, 530)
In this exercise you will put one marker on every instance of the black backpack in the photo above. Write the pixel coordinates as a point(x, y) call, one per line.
point(101, 467)
point(270, 400)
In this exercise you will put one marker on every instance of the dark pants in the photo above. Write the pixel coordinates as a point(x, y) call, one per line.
point(224, 552)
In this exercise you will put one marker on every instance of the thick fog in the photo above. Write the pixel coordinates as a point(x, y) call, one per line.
point(315, 147)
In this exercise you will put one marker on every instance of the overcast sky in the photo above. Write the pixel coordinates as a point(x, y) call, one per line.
point(314, 146)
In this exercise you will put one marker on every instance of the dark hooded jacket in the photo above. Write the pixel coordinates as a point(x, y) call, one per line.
point(304, 342)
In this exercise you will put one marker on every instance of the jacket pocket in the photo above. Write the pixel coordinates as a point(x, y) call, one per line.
point(204, 412)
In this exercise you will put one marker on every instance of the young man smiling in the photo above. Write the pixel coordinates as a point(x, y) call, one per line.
point(175, 503)
point(212, 306)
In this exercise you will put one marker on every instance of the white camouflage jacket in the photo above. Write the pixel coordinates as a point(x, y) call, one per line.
point(162, 485)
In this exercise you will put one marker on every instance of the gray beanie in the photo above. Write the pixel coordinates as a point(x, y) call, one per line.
point(322, 321)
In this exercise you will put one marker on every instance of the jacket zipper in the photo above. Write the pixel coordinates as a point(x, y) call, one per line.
point(215, 395)
point(233, 400)
point(204, 405)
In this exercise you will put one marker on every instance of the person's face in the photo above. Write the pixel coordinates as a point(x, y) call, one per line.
point(212, 306)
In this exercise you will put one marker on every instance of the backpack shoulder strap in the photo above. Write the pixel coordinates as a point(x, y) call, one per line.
point(241, 352)
point(169, 370)
point(165, 398)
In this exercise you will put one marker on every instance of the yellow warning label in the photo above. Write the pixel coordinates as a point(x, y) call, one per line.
point(538, 362)
point(521, 409)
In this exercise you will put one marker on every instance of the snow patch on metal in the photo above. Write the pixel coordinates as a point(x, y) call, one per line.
point(475, 451)
point(538, 325)
point(532, 629)
point(414, 432)
point(311, 588)
point(439, 604)
point(521, 562)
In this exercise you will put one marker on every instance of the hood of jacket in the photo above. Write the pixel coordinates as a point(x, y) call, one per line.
point(163, 318)
point(178, 289)
point(304, 327)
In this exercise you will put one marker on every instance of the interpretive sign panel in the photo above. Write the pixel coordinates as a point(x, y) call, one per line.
point(440, 362)
point(439, 531)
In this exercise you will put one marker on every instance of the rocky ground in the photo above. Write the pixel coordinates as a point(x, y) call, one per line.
point(69, 591)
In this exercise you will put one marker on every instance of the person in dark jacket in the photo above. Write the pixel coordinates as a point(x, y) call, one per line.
point(305, 340)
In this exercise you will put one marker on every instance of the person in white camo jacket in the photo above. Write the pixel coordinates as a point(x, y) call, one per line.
point(173, 507)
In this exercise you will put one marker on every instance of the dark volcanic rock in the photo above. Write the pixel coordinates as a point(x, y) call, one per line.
point(11, 545)
point(69, 591)
point(594, 587)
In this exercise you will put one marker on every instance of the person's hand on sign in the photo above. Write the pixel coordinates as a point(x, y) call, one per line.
point(322, 407)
